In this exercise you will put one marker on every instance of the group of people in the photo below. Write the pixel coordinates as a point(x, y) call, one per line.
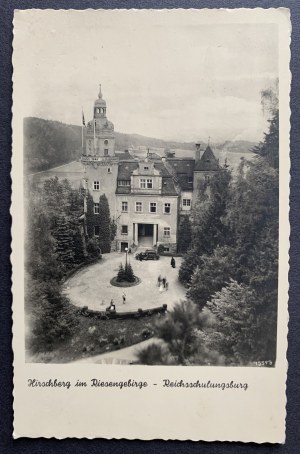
point(162, 283)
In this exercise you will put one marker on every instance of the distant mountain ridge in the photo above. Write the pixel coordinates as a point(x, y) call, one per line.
point(49, 143)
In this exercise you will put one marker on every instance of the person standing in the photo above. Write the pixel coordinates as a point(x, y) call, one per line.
point(167, 285)
point(164, 280)
point(124, 298)
point(159, 280)
point(173, 264)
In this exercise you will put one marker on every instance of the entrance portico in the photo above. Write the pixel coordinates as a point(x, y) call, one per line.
point(145, 234)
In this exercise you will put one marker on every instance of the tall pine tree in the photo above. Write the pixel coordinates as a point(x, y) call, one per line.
point(104, 225)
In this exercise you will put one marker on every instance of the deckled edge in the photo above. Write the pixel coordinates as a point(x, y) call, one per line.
point(15, 436)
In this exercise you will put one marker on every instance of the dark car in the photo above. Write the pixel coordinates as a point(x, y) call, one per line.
point(149, 254)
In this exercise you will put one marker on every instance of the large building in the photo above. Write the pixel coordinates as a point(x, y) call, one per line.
point(148, 196)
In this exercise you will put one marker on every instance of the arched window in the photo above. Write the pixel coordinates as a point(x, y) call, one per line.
point(105, 142)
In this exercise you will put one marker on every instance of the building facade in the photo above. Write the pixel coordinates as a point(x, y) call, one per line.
point(147, 197)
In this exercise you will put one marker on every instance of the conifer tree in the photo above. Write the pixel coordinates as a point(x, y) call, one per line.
point(208, 228)
point(129, 275)
point(184, 234)
point(104, 225)
point(64, 242)
point(121, 274)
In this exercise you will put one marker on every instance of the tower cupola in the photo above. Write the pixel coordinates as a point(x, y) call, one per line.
point(100, 106)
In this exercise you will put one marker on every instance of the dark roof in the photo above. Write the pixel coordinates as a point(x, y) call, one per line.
point(125, 169)
point(124, 155)
point(168, 187)
point(123, 190)
point(182, 166)
point(162, 169)
point(183, 170)
point(207, 161)
point(153, 155)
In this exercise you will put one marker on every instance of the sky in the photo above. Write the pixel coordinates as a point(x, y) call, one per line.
point(170, 76)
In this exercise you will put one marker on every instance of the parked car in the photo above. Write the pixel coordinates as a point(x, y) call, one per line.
point(149, 254)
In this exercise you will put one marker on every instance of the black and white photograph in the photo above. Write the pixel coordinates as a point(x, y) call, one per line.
point(151, 200)
point(152, 157)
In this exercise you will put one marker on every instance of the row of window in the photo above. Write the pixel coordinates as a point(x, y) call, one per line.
point(166, 231)
point(124, 231)
point(145, 183)
point(152, 207)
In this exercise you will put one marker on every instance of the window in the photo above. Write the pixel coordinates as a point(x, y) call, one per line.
point(138, 207)
point(186, 202)
point(124, 229)
point(149, 183)
point(167, 231)
point(142, 183)
point(96, 185)
point(190, 180)
point(123, 182)
point(167, 208)
point(207, 178)
point(96, 230)
point(152, 207)
point(105, 151)
point(146, 168)
point(96, 208)
point(166, 249)
point(105, 142)
point(108, 170)
point(124, 207)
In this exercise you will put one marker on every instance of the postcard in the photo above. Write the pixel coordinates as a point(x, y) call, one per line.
point(150, 207)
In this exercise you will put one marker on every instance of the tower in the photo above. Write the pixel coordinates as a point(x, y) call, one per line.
point(99, 160)
point(100, 137)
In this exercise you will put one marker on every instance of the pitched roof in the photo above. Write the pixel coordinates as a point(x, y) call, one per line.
point(168, 187)
point(124, 155)
point(126, 168)
point(182, 166)
point(207, 161)
point(182, 169)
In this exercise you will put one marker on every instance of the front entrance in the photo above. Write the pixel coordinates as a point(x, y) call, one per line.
point(124, 245)
point(145, 235)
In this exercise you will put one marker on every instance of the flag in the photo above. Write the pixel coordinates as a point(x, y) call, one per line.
point(83, 120)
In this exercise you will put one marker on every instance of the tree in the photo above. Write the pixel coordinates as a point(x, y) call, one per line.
point(208, 228)
point(184, 234)
point(129, 275)
point(64, 242)
point(104, 225)
point(238, 333)
point(121, 274)
point(213, 273)
point(179, 332)
point(80, 254)
point(53, 318)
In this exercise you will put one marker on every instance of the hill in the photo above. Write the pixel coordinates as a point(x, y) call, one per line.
point(49, 144)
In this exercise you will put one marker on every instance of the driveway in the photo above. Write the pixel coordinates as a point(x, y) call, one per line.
point(91, 286)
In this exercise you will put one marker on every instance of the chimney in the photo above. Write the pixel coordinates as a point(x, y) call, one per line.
point(197, 152)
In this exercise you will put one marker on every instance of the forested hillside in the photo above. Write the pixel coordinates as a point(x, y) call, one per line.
point(49, 144)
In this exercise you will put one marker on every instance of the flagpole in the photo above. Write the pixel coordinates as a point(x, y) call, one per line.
point(82, 125)
point(94, 137)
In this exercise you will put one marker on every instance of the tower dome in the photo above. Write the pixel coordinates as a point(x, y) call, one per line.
point(100, 105)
